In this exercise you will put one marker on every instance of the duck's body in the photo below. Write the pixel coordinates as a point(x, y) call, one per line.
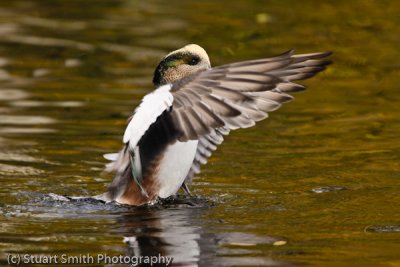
point(180, 123)
point(165, 176)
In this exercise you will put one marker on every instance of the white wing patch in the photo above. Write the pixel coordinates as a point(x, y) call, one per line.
point(152, 106)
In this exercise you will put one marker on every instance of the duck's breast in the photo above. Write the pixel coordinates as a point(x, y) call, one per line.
point(174, 166)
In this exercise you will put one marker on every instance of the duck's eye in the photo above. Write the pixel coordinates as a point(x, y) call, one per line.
point(194, 61)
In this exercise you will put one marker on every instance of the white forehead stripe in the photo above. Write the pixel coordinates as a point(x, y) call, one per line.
point(193, 49)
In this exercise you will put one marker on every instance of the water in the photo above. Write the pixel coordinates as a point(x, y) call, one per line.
point(316, 184)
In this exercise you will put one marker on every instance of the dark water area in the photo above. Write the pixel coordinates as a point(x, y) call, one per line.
point(316, 184)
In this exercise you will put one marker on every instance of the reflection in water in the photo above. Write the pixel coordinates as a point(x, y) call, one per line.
point(13, 156)
point(25, 120)
point(11, 170)
point(170, 230)
point(32, 103)
point(166, 232)
point(46, 41)
point(12, 94)
point(179, 233)
point(16, 130)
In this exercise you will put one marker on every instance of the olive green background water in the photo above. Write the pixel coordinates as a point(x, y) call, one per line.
point(316, 184)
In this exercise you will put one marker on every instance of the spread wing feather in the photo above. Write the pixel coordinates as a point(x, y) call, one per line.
point(236, 96)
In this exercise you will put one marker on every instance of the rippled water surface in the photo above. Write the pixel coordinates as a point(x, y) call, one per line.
point(317, 184)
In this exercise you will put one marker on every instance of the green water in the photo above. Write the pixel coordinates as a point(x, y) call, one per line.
point(321, 174)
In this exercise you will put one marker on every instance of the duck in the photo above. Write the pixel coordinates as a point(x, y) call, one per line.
point(178, 125)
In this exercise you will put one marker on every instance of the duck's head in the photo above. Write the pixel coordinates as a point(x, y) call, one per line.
point(181, 63)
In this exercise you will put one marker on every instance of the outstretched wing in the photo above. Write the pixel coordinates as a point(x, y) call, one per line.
point(209, 104)
point(238, 95)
